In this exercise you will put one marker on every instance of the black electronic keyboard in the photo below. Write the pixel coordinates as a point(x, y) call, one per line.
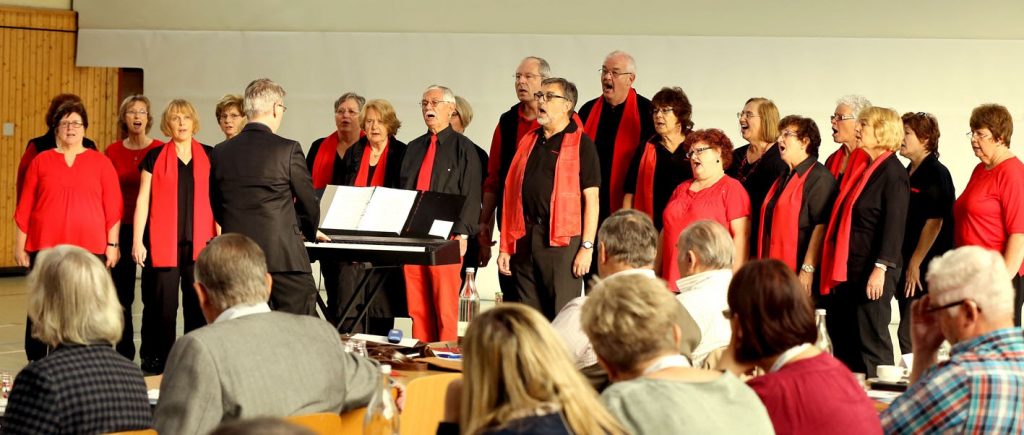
point(389, 251)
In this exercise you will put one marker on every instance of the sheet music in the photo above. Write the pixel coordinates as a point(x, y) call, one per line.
point(388, 210)
point(347, 207)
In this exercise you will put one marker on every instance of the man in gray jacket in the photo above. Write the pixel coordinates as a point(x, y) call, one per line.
point(249, 361)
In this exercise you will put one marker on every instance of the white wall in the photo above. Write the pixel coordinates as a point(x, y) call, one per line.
point(802, 75)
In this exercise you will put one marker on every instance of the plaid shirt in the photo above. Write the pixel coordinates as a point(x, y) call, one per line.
point(78, 390)
point(979, 390)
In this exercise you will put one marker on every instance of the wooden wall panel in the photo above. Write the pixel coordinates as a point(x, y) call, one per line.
point(37, 61)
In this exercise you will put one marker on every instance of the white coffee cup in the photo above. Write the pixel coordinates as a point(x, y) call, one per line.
point(890, 373)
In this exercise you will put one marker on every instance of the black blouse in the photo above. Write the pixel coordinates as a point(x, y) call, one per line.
point(345, 172)
point(539, 181)
point(931, 197)
point(757, 179)
point(186, 189)
point(878, 220)
point(820, 191)
point(670, 169)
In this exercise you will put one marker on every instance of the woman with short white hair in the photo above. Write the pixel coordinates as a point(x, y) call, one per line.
point(83, 385)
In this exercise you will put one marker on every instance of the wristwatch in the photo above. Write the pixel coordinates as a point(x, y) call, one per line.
point(882, 266)
point(112, 245)
point(587, 244)
point(807, 268)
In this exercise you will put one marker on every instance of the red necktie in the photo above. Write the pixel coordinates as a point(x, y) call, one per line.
point(423, 180)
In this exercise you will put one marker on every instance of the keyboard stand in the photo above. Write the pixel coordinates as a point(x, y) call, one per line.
point(364, 292)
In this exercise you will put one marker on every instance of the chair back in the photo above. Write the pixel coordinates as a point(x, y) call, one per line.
point(135, 432)
point(321, 423)
point(424, 403)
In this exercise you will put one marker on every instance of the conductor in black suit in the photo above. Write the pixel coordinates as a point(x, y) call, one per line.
point(260, 187)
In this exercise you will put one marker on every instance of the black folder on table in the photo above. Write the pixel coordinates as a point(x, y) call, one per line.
point(381, 211)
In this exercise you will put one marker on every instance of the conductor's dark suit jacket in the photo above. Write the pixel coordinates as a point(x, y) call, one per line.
point(253, 180)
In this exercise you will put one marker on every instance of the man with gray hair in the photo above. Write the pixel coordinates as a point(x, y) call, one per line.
point(981, 387)
point(628, 246)
point(260, 187)
point(550, 206)
point(320, 159)
point(618, 121)
point(844, 132)
point(249, 361)
point(442, 160)
point(705, 265)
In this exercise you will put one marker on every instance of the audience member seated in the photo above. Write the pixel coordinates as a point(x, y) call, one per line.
point(84, 385)
point(633, 324)
point(249, 361)
point(981, 387)
point(705, 264)
point(627, 244)
point(805, 390)
point(518, 379)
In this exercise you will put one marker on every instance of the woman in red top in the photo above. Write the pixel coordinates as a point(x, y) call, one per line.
point(804, 389)
point(71, 196)
point(173, 223)
point(134, 122)
point(709, 195)
point(990, 211)
point(47, 141)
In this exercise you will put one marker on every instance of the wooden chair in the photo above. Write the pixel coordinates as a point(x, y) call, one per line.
point(352, 421)
point(424, 403)
point(135, 432)
point(322, 423)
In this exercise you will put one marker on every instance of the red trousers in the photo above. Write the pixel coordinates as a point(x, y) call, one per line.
point(433, 296)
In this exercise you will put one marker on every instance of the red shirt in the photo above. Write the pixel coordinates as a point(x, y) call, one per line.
point(991, 207)
point(722, 202)
point(126, 163)
point(816, 395)
point(74, 205)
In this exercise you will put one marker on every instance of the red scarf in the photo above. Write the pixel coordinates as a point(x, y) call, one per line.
point(323, 164)
point(834, 162)
point(625, 144)
point(643, 199)
point(163, 211)
point(837, 239)
point(364, 166)
point(785, 224)
point(566, 212)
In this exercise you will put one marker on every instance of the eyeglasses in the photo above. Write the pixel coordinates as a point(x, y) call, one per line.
point(949, 305)
point(748, 115)
point(283, 107)
point(527, 76)
point(696, 152)
point(787, 133)
point(614, 74)
point(837, 117)
point(540, 96)
point(71, 124)
point(136, 112)
point(978, 135)
point(347, 112)
point(432, 103)
point(664, 111)
point(232, 116)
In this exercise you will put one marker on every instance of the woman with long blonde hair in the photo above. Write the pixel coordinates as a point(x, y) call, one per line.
point(518, 378)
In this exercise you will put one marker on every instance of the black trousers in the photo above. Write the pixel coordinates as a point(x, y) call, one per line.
point(542, 273)
point(160, 286)
point(34, 349)
point(330, 269)
point(293, 292)
point(903, 331)
point(858, 326)
point(1018, 297)
point(123, 274)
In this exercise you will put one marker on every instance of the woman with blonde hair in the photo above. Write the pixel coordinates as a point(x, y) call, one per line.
point(519, 379)
point(862, 253)
point(84, 385)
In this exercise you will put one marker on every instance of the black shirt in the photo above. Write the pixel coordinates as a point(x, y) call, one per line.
point(757, 179)
point(604, 139)
point(670, 169)
point(931, 197)
point(346, 172)
point(878, 221)
point(539, 181)
point(820, 191)
point(337, 178)
point(186, 189)
point(456, 170)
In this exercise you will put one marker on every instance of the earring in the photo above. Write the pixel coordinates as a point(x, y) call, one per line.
point(718, 160)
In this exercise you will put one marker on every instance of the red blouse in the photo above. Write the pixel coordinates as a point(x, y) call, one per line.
point(74, 205)
point(126, 163)
point(991, 207)
point(723, 202)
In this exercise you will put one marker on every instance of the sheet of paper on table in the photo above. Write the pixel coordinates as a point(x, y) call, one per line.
point(883, 396)
point(406, 342)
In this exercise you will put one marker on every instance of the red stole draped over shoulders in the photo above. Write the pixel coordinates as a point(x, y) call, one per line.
point(785, 224)
point(364, 166)
point(163, 213)
point(323, 163)
point(836, 251)
point(566, 210)
point(625, 144)
point(643, 199)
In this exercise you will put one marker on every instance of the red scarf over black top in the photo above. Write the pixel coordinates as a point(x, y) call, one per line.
point(163, 211)
point(625, 144)
point(785, 224)
point(323, 163)
point(364, 166)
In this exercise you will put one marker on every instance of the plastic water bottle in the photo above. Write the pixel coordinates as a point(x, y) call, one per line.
point(498, 298)
point(382, 414)
point(469, 301)
point(824, 342)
